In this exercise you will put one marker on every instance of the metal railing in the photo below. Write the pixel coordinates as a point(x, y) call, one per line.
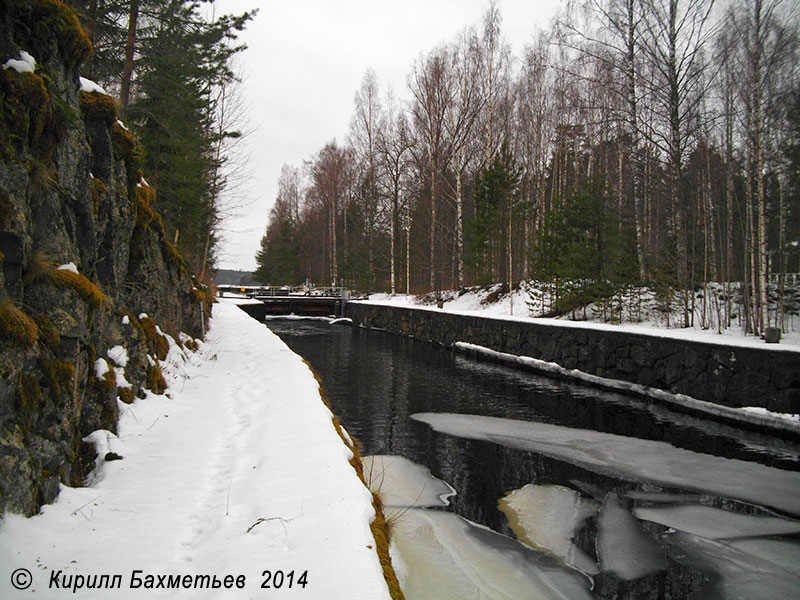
point(255, 291)
point(788, 279)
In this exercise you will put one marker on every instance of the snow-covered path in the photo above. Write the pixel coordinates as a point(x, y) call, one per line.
point(238, 473)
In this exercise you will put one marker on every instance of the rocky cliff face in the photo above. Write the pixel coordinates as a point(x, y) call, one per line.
point(71, 192)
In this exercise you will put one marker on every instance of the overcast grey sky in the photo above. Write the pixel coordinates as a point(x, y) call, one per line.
point(304, 63)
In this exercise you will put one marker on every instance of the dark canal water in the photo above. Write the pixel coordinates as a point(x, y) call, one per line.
point(594, 445)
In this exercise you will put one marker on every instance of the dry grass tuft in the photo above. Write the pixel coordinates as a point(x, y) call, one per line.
point(155, 379)
point(16, 325)
point(379, 527)
point(145, 215)
point(85, 288)
point(203, 296)
point(125, 394)
point(125, 145)
point(172, 253)
point(158, 343)
point(42, 268)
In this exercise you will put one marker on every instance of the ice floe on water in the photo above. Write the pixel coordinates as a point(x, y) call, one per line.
point(547, 517)
point(748, 568)
point(447, 557)
point(715, 523)
point(624, 549)
point(664, 497)
point(441, 555)
point(402, 483)
point(631, 458)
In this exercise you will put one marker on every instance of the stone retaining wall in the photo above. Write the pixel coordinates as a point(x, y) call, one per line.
point(728, 375)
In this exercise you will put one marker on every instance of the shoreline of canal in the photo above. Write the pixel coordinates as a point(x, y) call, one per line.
point(698, 377)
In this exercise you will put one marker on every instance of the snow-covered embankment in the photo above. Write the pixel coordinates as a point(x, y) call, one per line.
point(237, 472)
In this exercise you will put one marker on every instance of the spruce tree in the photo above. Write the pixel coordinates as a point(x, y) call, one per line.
point(495, 187)
point(183, 61)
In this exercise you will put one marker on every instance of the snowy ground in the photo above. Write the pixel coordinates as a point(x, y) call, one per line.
point(488, 302)
point(237, 472)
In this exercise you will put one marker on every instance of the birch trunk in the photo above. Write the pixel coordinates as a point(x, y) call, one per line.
point(459, 229)
point(433, 228)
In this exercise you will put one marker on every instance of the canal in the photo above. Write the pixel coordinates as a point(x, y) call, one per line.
point(620, 498)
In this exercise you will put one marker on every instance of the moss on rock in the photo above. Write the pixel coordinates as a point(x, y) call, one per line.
point(25, 103)
point(155, 379)
point(16, 325)
point(158, 343)
point(56, 375)
point(145, 215)
point(54, 18)
point(28, 398)
point(126, 147)
point(44, 269)
point(101, 107)
point(98, 188)
point(125, 394)
point(108, 383)
point(48, 332)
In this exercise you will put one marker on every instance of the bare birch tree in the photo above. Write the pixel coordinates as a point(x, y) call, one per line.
point(431, 85)
point(394, 150)
point(364, 139)
point(461, 118)
point(769, 33)
point(675, 45)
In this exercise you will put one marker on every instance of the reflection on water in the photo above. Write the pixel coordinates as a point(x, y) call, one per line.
point(376, 381)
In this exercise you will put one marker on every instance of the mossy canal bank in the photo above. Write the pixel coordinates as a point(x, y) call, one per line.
point(724, 374)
